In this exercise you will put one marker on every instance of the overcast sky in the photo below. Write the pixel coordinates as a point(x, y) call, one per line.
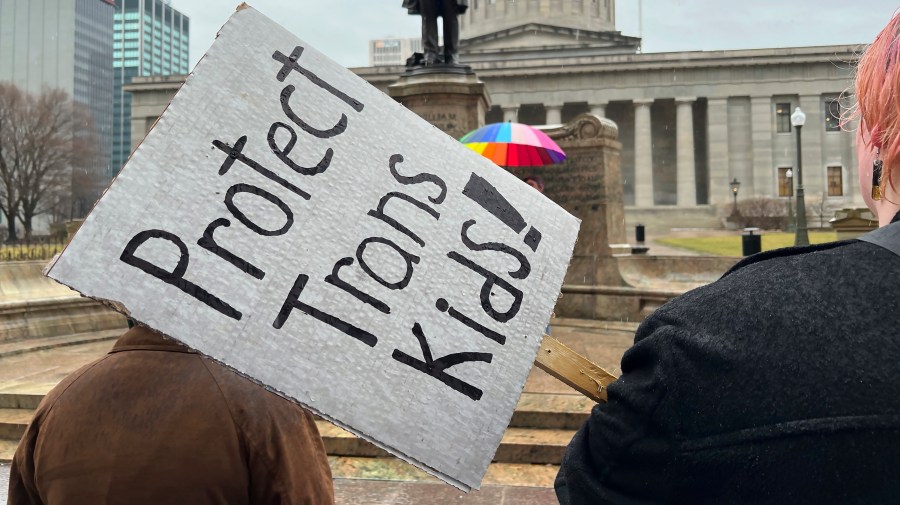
point(342, 28)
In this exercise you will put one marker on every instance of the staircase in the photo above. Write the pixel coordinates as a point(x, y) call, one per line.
point(545, 419)
point(529, 453)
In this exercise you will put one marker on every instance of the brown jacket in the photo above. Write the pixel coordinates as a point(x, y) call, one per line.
point(154, 422)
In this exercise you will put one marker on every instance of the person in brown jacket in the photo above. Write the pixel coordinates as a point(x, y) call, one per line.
point(155, 422)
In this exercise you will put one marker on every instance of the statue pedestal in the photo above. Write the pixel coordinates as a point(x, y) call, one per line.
point(449, 97)
point(589, 186)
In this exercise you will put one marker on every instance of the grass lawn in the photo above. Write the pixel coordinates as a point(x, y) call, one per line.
point(731, 245)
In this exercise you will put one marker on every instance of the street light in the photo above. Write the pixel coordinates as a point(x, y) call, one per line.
point(735, 185)
point(798, 119)
point(791, 225)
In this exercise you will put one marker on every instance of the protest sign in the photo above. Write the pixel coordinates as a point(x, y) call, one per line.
point(293, 222)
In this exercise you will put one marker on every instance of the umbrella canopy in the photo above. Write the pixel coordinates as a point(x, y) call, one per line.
point(514, 145)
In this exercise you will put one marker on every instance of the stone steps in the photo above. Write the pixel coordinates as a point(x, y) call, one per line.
point(12, 348)
point(393, 469)
point(519, 445)
point(7, 449)
point(541, 427)
point(13, 423)
point(555, 411)
point(22, 400)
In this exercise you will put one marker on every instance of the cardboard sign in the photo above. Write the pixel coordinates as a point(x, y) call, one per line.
point(293, 222)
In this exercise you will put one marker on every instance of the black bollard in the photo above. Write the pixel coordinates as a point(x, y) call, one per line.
point(639, 233)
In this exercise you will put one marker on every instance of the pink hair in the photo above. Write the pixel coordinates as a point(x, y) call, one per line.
point(878, 96)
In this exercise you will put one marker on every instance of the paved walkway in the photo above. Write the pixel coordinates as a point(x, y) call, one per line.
point(384, 492)
point(4, 483)
point(368, 492)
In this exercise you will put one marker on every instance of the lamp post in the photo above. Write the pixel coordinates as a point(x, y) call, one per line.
point(798, 119)
point(735, 185)
point(791, 225)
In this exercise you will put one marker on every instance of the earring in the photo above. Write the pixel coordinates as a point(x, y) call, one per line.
point(876, 176)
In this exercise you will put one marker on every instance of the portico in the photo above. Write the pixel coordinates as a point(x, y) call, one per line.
point(689, 122)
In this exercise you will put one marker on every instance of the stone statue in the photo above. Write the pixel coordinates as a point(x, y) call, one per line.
point(448, 10)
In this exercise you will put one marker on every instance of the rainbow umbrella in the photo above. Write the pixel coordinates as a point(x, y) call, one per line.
point(514, 145)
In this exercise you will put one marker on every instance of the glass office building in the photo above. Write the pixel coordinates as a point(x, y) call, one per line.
point(150, 38)
point(64, 44)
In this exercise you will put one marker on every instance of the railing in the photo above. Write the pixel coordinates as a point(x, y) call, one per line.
point(38, 248)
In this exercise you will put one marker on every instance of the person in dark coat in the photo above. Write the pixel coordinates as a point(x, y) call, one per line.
point(780, 382)
point(154, 422)
point(448, 10)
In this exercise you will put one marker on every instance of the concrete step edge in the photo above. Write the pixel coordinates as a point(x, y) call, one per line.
point(519, 445)
point(7, 449)
point(43, 344)
point(629, 327)
point(13, 423)
point(13, 400)
point(551, 410)
point(396, 470)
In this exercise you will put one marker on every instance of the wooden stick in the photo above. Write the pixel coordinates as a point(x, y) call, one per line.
point(573, 369)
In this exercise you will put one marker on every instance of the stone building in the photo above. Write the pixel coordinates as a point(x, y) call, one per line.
point(689, 122)
point(151, 38)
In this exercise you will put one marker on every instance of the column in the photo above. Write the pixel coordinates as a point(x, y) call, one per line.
point(554, 114)
point(719, 156)
point(762, 115)
point(852, 163)
point(643, 154)
point(510, 113)
point(598, 109)
point(814, 180)
point(685, 168)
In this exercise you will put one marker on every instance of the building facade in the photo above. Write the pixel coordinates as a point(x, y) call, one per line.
point(690, 122)
point(65, 44)
point(150, 38)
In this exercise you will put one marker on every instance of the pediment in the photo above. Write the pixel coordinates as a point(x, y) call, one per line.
point(536, 35)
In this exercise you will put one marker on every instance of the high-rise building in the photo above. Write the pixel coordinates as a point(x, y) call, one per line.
point(65, 44)
point(150, 38)
point(392, 51)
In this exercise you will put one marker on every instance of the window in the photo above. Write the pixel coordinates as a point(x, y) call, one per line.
point(832, 115)
point(783, 117)
point(785, 181)
point(835, 181)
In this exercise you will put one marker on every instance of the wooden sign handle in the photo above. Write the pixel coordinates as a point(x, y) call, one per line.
point(573, 369)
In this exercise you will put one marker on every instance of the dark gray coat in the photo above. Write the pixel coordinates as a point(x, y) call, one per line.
point(779, 383)
point(412, 6)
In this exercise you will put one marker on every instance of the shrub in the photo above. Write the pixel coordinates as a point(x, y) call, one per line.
point(760, 212)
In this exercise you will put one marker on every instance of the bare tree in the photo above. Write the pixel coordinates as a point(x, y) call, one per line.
point(819, 207)
point(49, 153)
point(12, 105)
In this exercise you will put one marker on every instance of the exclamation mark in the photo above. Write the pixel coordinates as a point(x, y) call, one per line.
point(484, 194)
